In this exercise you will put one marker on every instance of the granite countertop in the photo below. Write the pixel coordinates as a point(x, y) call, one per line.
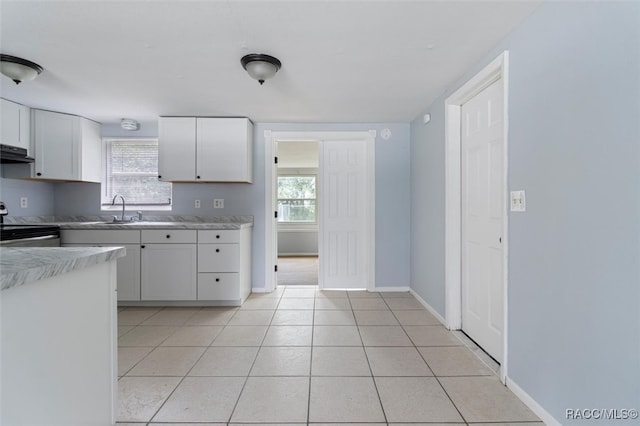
point(151, 222)
point(20, 266)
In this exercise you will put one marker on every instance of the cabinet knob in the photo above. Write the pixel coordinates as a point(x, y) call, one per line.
point(142, 246)
point(218, 236)
point(217, 250)
point(159, 177)
point(38, 174)
point(197, 177)
point(217, 280)
point(168, 236)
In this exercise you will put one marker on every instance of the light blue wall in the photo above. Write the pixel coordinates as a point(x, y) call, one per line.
point(39, 196)
point(574, 269)
point(392, 196)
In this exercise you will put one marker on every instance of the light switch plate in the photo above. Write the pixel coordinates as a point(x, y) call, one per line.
point(196, 204)
point(518, 202)
point(218, 203)
point(24, 202)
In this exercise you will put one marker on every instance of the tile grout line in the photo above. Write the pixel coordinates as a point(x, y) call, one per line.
point(366, 355)
point(183, 377)
point(246, 379)
point(313, 322)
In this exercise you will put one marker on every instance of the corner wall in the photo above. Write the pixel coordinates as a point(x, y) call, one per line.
point(574, 266)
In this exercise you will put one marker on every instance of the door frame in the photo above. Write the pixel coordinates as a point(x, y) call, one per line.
point(498, 69)
point(271, 139)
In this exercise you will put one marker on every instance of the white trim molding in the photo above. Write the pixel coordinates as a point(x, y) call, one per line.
point(533, 405)
point(428, 307)
point(498, 69)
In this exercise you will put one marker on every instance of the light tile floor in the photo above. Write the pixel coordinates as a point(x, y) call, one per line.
point(301, 356)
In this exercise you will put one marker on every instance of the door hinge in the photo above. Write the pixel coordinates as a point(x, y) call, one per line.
point(275, 214)
point(275, 269)
point(275, 160)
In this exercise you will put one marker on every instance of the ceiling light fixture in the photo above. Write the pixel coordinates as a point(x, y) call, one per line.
point(260, 67)
point(129, 124)
point(18, 69)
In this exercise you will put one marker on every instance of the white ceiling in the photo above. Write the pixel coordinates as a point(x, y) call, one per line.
point(342, 61)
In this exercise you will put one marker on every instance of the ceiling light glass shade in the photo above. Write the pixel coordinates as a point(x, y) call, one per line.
point(18, 69)
point(129, 124)
point(260, 67)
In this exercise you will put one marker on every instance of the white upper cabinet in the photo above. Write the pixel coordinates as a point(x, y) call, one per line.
point(206, 149)
point(14, 124)
point(67, 147)
point(177, 149)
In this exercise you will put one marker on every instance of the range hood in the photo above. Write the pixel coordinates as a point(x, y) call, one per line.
point(14, 154)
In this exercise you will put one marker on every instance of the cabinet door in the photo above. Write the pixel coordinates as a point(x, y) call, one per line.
point(56, 140)
point(225, 149)
point(91, 151)
point(177, 149)
point(128, 269)
point(168, 271)
point(14, 127)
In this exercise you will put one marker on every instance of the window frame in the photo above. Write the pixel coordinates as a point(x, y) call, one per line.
point(105, 199)
point(299, 173)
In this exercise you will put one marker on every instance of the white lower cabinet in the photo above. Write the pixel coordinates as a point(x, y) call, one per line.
point(128, 266)
point(176, 265)
point(168, 265)
point(224, 265)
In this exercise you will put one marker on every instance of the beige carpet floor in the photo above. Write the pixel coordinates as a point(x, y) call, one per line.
point(301, 270)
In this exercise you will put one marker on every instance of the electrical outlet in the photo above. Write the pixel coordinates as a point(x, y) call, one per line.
point(197, 204)
point(24, 202)
point(518, 203)
point(218, 203)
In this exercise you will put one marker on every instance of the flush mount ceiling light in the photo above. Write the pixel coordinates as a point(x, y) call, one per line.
point(129, 124)
point(260, 67)
point(18, 69)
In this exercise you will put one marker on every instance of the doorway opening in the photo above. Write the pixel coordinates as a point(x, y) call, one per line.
point(298, 200)
point(346, 215)
point(489, 259)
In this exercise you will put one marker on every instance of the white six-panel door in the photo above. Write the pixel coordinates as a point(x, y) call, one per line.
point(344, 256)
point(482, 218)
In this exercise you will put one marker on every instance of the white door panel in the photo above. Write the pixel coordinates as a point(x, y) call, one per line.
point(482, 218)
point(343, 253)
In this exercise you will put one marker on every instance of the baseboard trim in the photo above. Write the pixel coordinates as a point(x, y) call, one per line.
point(428, 307)
point(297, 254)
point(389, 289)
point(259, 290)
point(533, 405)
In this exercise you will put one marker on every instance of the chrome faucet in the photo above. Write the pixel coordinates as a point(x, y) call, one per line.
point(113, 203)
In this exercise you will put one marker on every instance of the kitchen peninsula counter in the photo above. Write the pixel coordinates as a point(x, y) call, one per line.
point(58, 335)
point(26, 265)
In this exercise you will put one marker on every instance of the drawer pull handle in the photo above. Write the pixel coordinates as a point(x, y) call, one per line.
point(217, 280)
point(218, 236)
point(217, 250)
point(168, 236)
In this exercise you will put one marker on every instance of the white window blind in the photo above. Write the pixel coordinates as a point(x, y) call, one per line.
point(131, 170)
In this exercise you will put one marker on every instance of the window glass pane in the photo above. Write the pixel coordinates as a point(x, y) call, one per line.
point(296, 210)
point(131, 169)
point(297, 187)
point(296, 198)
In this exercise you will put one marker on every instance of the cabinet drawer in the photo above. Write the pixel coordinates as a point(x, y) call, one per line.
point(169, 236)
point(219, 237)
point(218, 287)
point(95, 236)
point(218, 257)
